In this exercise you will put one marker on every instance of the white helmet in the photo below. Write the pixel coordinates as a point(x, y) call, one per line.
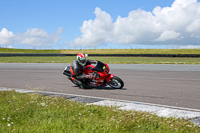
point(81, 59)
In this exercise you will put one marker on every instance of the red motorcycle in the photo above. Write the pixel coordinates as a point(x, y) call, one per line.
point(103, 78)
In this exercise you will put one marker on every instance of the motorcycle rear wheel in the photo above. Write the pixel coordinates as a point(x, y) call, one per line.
point(116, 82)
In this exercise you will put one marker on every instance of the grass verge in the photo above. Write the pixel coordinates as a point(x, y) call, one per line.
point(105, 51)
point(35, 113)
point(133, 51)
point(115, 60)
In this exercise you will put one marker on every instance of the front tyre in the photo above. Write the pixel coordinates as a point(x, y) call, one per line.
point(116, 82)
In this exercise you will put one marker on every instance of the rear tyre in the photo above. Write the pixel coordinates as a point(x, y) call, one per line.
point(116, 82)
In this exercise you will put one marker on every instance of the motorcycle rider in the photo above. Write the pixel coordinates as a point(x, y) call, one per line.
point(76, 70)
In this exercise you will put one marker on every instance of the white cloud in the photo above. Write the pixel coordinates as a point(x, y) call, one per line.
point(194, 26)
point(136, 28)
point(95, 32)
point(6, 37)
point(167, 35)
point(190, 47)
point(37, 37)
point(33, 37)
point(9, 46)
point(178, 24)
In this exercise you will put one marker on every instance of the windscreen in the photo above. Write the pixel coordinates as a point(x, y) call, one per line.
point(100, 67)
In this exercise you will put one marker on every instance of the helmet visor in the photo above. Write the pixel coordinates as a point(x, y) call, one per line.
point(82, 61)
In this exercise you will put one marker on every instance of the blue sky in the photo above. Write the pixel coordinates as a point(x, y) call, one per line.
point(99, 24)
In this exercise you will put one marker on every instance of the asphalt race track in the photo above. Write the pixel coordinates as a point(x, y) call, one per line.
point(173, 85)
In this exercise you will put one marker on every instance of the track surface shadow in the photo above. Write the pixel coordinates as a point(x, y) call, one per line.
point(100, 88)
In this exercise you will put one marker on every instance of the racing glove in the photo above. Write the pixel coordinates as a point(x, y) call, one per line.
point(92, 76)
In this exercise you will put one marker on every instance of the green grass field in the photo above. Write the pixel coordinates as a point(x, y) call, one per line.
point(106, 51)
point(113, 60)
point(10, 50)
point(121, 60)
point(33, 113)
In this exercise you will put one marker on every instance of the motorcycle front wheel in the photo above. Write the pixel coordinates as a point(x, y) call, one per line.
point(116, 82)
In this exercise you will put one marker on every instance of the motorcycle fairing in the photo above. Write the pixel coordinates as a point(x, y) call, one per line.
point(109, 77)
point(102, 69)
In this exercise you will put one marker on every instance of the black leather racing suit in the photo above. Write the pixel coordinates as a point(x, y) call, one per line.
point(76, 70)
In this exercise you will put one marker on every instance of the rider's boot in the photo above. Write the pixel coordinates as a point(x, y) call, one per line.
point(79, 83)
